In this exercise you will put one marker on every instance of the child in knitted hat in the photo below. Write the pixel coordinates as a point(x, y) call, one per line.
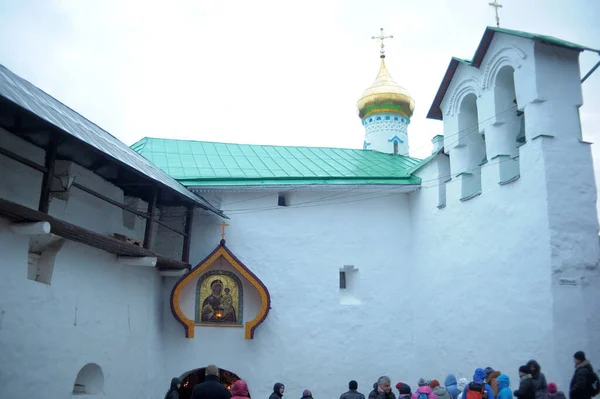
point(554, 393)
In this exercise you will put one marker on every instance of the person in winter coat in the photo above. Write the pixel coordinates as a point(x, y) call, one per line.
point(539, 379)
point(479, 378)
point(173, 392)
point(492, 376)
point(504, 391)
point(373, 393)
point(403, 391)
point(424, 391)
point(211, 388)
point(239, 390)
point(451, 387)
point(554, 393)
point(581, 383)
point(461, 385)
point(353, 391)
point(278, 390)
point(526, 386)
point(439, 391)
point(383, 389)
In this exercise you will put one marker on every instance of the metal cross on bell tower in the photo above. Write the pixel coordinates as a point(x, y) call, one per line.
point(496, 5)
point(382, 37)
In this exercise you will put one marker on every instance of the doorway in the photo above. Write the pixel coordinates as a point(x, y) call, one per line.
point(190, 379)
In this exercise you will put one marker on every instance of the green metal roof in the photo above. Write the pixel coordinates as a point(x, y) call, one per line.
point(201, 163)
point(543, 38)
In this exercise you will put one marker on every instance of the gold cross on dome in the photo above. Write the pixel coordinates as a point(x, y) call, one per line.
point(382, 37)
point(223, 225)
point(496, 5)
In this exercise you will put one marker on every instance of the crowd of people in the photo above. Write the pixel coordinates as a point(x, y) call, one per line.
point(486, 384)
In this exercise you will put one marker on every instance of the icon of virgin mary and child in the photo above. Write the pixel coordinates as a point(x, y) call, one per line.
point(218, 306)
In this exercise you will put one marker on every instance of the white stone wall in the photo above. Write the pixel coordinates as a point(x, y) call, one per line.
point(309, 339)
point(93, 311)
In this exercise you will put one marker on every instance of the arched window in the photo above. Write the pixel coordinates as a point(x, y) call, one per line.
point(473, 154)
point(512, 129)
point(395, 147)
point(89, 381)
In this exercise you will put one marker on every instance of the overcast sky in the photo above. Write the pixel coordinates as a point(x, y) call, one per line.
point(263, 71)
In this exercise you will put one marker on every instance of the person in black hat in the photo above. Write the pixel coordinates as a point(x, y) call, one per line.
point(526, 387)
point(582, 383)
point(353, 392)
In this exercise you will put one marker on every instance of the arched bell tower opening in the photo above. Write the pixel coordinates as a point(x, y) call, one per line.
point(194, 377)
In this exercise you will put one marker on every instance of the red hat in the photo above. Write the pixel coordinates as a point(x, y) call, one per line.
point(398, 385)
point(434, 383)
point(552, 388)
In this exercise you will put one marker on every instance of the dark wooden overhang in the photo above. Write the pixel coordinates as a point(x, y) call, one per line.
point(38, 118)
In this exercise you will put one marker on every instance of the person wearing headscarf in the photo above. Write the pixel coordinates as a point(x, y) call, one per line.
point(173, 392)
point(278, 390)
point(539, 379)
point(451, 386)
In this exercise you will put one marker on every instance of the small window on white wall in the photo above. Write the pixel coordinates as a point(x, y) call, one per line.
point(89, 381)
point(349, 285)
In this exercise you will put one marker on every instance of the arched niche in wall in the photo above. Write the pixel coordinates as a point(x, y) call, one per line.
point(217, 293)
point(89, 380)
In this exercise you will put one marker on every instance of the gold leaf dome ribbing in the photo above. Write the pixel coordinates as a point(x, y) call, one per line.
point(385, 95)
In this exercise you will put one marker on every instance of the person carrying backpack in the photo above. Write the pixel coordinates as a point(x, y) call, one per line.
point(424, 391)
point(584, 384)
point(478, 389)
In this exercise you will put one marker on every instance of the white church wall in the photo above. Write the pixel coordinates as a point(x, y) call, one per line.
point(309, 339)
point(93, 310)
point(490, 254)
point(544, 223)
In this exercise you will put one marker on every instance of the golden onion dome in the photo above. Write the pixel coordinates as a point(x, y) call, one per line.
point(385, 95)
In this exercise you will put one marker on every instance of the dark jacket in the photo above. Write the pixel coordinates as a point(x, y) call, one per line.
point(557, 395)
point(526, 388)
point(276, 388)
point(581, 381)
point(375, 394)
point(539, 380)
point(173, 392)
point(352, 394)
point(211, 388)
